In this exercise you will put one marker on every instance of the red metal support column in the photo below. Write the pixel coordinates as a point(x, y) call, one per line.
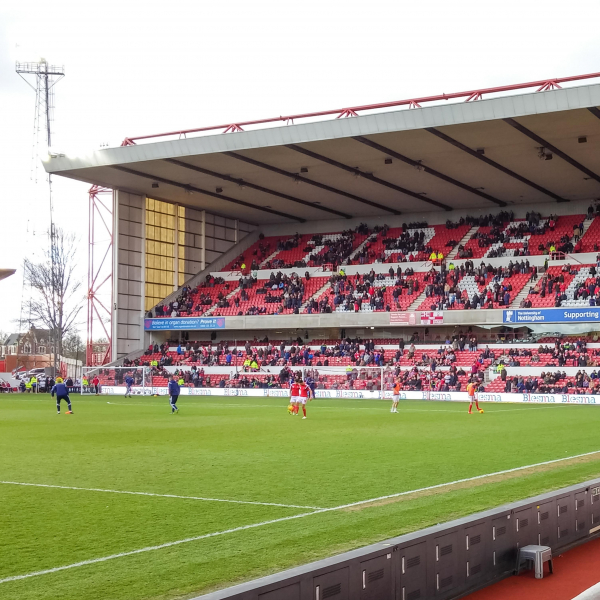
point(348, 112)
point(549, 85)
point(233, 128)
point(99, 272)
point(474, 96)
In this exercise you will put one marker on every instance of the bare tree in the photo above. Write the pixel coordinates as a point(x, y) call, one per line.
point(100, 344)
point(73, 346)
point(56, 298)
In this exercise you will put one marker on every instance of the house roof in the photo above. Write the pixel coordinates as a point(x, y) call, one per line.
point(12, 339)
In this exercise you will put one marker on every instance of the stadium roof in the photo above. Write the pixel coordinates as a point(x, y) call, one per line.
point(527, 148)
point(4, 273)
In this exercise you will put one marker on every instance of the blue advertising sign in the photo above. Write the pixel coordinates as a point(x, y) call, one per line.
point(552, 315)
point(184, 323)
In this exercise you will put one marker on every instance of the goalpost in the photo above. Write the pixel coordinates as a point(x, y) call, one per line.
point(111, 380)
point(349, 381)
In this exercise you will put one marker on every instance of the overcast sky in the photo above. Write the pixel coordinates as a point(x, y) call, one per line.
point(134, 68)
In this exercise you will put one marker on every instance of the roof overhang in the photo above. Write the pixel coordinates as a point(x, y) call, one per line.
point(471, 155)
point(4, 273)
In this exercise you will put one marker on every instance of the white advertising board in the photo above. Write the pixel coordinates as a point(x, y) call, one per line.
point(364, 395)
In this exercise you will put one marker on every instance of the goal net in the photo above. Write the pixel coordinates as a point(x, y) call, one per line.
point(112, 380)
point(346, 382)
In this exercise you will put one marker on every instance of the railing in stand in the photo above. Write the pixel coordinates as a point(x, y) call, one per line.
point(557, 255)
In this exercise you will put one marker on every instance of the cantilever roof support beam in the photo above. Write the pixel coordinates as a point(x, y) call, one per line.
point(595, 111)
point(493, 163)
point(368, 176)
point(193, 188)
point(297, 177)
point(253, 186)
point(542, 85)
point(426, 169)
point(542, 142)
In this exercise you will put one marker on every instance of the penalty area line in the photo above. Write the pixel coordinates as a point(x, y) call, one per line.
point(290, 518)
point(83, 489)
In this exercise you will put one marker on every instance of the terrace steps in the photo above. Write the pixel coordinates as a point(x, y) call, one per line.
point(452, 254)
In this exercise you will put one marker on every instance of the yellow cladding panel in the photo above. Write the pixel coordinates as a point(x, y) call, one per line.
point(160, 249)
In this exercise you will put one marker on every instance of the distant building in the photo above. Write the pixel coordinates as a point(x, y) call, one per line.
point(33, 342)
point(29, 350)
point(35, 349)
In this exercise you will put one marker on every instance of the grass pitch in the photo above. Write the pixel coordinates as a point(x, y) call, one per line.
point(249, 450)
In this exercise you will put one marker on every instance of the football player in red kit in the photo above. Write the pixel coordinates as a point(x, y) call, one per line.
point(294, 397)
point(305, 394)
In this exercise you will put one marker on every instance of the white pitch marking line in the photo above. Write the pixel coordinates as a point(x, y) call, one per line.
point(300, 516)
point(66, 487)
point(440, 485)
point(150, 548)
point(320, 407)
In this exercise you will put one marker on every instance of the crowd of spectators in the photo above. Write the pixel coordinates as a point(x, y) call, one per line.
point(416, 368)
point(499, 233)
point(493, 284)
point(335, 252)
point(189, 299)
point(555, 383)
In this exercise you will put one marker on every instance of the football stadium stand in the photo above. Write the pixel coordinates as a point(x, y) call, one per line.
point(443, 286)
point(369, 226)
point(569, 366)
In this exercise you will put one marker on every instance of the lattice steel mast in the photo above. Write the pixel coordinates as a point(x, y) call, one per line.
point(46, 77)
